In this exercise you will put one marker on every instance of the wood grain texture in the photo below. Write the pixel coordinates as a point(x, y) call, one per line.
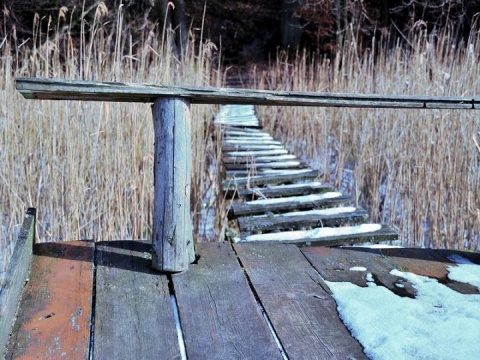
point(302, 312)
point(299, 220)
point(55, 312)
point(59, 89)
point(280, 191)
point(219, 315)
point(133, 317)
point(250, 208)
point(16, 276)
point(249, 181)
point(172, 223)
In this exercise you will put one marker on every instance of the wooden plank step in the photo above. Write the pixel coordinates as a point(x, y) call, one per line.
point(53, 320)
point(274, 191)
point(16, 276)
point(256, 153)
point(134, 317)
point(230, 174)
point(298, 303)
point(284, 178)
point(327, 236)
point(295, 164)
point(236, 134)
point(257, 159)
point(246, 147)
point(218, 312)
point(288, 203)
point(303, 219)
point(251, 141)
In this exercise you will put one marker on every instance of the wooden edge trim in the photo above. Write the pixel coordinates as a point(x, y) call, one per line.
point(16, 276)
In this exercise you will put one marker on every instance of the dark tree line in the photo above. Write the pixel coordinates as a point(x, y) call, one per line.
point(249, 30)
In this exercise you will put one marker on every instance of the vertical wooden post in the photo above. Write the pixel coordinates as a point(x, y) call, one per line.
point(172, 241)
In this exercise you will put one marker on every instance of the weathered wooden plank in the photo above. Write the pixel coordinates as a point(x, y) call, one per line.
point(15, 277)
point(302, 312)
point(257, 159)
point(290, 177)
point(229, 174)
point(250, 147)
point(251, 153)
point(219, 315)
point(327, 236)
point(59, 89)
point(252, 141)
point(133, 315)
point(54, 315)
point(302, 219)
point(353, 265)
point(274, 191)
point(288, 203)
point(172, 223)
point(289, 164)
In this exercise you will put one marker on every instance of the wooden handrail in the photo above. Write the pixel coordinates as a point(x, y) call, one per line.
point(58, 89)
point(172, 237)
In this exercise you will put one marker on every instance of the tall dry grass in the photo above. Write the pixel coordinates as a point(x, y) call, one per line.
point(418, 170)
point(88, 166)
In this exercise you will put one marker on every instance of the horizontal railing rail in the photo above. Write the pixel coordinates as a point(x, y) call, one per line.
point(58, 89)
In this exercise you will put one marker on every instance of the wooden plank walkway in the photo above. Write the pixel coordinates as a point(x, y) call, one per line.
point(242, 301)
point(279, 198)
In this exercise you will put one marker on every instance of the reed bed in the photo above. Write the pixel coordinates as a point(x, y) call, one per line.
point(417, 170)
point(88, 166)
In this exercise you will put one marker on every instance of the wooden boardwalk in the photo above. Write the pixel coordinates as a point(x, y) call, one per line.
point(239, 301)
point(280, 199)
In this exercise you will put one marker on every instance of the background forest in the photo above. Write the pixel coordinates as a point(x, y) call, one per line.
point(87, 167)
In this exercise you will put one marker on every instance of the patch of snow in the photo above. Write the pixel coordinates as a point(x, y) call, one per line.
point(320, 212)
point(316, 233)
point(358, 268)
point(300, 199)
point(255, 153)
point(439, 323)
point(465, 271)
point(314, 184)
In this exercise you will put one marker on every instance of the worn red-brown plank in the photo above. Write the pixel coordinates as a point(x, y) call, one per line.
point(219, 315)
point(54, 315)
point(295, 298)
point(133, 313)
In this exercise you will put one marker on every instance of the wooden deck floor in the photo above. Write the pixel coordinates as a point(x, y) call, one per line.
point(241, 301)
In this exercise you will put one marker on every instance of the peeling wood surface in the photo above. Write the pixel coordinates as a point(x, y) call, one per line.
point(302, 312)
point(59, 89)
point(256, 180)
point(218, 313)
point(16, 276)
point(133, 316)
point(54, 316)
point(280, 190)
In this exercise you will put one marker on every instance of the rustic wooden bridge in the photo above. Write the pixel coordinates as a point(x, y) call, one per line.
point(255, 298)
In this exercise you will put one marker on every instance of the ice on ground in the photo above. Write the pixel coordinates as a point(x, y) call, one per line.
point(439, 323)
point(358, 268)
point(317, 233)
point(300, 199)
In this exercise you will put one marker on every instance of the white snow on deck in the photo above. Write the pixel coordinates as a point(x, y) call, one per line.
point(300, 199)
point(255, 153)
point(439, 324)
point(317, 233)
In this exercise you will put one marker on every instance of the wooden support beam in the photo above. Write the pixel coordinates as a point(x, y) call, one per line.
point(172, 240)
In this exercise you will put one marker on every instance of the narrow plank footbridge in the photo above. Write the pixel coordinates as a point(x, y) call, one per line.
point(259, 296)
point(280, 198)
